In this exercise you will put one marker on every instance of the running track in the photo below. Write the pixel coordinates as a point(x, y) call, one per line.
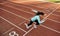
point(13, 16)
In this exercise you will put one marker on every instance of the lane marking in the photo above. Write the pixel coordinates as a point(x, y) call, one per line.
point(28, 31)
point(12, 24)
point(32, 13)
point(16, 8)
point(12, 28)
point(8, 30)
point(26, 6)
point(50, 13)
point(14, 14)
point(42, 26)
point(53, 20)
point(56, 15)
point(50, 29)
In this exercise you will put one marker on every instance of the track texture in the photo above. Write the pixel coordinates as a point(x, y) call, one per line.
point(13, 16)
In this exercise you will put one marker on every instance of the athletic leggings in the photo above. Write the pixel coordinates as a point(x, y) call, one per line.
point(37, 23)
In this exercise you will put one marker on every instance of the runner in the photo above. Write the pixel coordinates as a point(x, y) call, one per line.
point(36, 19)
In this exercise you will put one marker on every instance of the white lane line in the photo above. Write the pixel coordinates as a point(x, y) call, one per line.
point(50, 13)
point(24, 6)
point(56, 15)
point(13, 14)
point(20, 9)
point(45, 27)
point(54, 20)
point(12, 23)
point(22, 23)
point(17, 8)
point(28, 20)
point(29, 6)
point(8, 30)
point(41, 6)
point(32, 13)
point(12, 28)
point(25, 11)
point(50, 28)
point(28, 31)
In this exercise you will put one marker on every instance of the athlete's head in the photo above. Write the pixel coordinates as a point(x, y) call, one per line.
point(39, 13)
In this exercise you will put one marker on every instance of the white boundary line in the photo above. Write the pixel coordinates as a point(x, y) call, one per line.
point(46, 26)
point(50, 13)
point(32, 13)
point(54, 10)
point(33, 5)
point(23, 10)
point(14, 14)
point(20, 9)
point(12, 28)
point(22, 23)
point(56, 15)
point(47, 18)
point(24, 6)
point(39, 6)
point(26, 11)
point(28, 31)
point(17, 8)
point(53, 20)
point(8, 30)
point(29, 6)
point(12, 23)
point(29, 12)
point(49, 29)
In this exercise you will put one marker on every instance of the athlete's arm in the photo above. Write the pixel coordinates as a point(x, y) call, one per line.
point(35, 11)
point(38, 18)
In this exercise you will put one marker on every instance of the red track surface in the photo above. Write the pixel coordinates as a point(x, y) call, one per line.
point(13, 16)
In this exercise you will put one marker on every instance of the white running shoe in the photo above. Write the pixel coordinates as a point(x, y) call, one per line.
point(35, 26)
point(27, 26)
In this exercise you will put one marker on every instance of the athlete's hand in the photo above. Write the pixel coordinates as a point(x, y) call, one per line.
point(44, 16)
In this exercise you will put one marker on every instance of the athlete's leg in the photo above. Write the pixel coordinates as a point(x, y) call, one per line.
point(30, 23)
point(37, 23)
